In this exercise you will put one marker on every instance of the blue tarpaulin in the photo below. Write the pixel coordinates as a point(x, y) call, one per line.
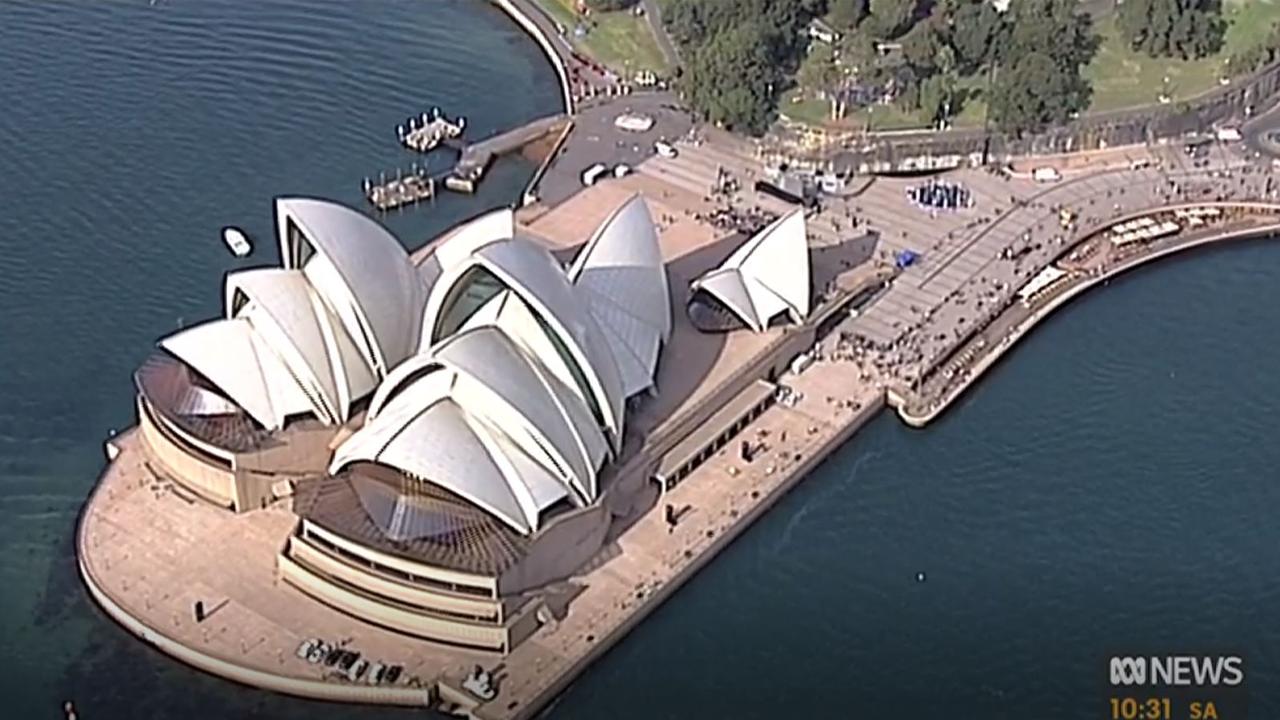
point(906, 258)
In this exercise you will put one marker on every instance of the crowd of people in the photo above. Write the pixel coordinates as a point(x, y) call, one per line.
point(940, 195)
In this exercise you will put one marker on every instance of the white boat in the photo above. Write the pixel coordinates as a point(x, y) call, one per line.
point(237, 242)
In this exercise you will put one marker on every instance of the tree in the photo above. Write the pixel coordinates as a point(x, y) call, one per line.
point(818, 72)
point(936, 96)
point(1039, 81)
point(892, 17)
point(1254, 57)
point(977, 31)
point(733, 79)
point(1172, 28)
point(922, 46)
point(846, 14)
point(694, 22)
point(1035, 93)
point(858, 55)
point(1055, 28)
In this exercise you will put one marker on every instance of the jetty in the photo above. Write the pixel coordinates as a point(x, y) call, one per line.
point(400, 191)
point(474, 159)
point(538, 140)
point(427, 131)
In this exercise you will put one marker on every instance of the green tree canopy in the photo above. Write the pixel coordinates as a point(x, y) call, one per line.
point(923, 46)
point(818, 71)
point(733, 79)
point(738, 54)
point(892, 17)
point(694, 22)
point(936, 97)
point(1039, 81)
point(1172, 28)
point(977, 33)
point(846, 14)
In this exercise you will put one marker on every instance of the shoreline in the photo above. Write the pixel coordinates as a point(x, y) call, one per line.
point(511, 8)
point(901, 404)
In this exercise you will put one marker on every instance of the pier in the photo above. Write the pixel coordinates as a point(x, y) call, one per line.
point(475, 158)
point(425, 133)
point(539, 139)
point(403, 190)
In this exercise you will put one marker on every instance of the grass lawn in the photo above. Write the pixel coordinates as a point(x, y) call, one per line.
point(620, 41)
point(1122, 78)
point(812, 111)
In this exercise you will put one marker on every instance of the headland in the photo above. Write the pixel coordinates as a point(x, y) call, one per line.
point(156, 538)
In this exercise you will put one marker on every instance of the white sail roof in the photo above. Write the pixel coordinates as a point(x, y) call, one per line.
point(478, 419)
point(530, 273)
point(524, 405)
point(231, 355)
point(516, 398)
point(371, 273)
point(314, 335)
point(279, 307)
point(768, 275)
point(621, 280)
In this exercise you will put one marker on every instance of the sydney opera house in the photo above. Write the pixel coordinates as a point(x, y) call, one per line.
point(456, 430)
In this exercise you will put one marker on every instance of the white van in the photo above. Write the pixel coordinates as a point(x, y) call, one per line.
point(593, 173)
point(1046, 175)
point(1228, 134)
point(665, 149)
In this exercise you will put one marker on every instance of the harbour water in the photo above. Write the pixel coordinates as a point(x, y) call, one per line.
point(1111, 487)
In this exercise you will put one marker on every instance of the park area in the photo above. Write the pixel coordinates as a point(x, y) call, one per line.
point(620, 40)
point(1120, 77)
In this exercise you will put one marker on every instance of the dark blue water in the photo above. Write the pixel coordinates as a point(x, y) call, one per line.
point(1109, 488)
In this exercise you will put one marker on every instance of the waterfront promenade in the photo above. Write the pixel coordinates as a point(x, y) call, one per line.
point(1090, 263)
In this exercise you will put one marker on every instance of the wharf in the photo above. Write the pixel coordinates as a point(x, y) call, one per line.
point(434, 129)
point(476, 157)
point(473, 160)
point(404, 190)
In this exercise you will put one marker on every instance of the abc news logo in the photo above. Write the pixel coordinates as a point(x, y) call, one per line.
point(1178, 671)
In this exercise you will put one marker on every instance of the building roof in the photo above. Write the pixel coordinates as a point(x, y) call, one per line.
point(314, 336)
point(454, 432)
point(517, 398)
point(360, 270)
point(390, 511)
point(768, 275)
point(577, 346)
point(242, 365)
point(620, 277)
